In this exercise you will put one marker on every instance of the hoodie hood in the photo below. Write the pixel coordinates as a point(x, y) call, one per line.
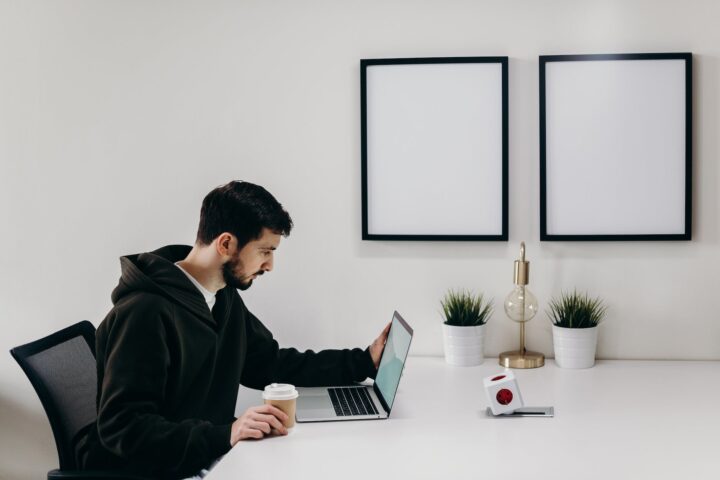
point(156, 272)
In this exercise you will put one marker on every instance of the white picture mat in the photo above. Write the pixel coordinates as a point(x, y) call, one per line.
point(434, 149)
point(615, 147)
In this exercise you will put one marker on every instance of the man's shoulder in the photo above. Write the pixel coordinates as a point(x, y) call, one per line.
point(148, 302)
point(138, 310)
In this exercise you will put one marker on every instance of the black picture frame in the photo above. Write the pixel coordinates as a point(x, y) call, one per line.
point(373, 79)
point(653, 205)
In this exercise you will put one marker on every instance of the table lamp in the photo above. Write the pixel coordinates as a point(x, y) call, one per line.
point(521, 306)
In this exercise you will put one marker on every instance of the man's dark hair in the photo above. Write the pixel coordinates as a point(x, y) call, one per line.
point(243, 209)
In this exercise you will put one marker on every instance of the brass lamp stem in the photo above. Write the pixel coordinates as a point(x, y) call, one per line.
point(522, 358)
point(522, 324)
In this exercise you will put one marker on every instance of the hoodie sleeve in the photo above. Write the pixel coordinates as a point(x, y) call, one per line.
point(266, 362)
point(130, 421)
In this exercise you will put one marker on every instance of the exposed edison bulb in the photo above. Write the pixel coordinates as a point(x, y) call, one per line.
point(520, 304)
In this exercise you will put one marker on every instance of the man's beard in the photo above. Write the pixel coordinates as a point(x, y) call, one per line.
point(238, 282)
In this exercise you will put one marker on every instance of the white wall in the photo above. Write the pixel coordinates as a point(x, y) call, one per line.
point(117, 117)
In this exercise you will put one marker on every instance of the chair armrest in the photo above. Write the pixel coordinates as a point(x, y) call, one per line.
point(95, 474)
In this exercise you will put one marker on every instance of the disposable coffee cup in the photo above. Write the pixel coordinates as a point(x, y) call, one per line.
point(283, 396)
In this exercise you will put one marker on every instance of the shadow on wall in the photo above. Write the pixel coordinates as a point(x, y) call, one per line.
point(706, 74)
point(27, 448)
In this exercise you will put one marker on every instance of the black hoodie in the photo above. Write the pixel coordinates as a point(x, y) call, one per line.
point(169, 370)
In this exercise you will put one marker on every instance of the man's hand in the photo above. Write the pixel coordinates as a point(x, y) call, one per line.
point(257, 422)
point(378, 346)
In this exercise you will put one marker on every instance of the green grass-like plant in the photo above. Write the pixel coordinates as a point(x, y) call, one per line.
point(464, 309)
point(576, 310)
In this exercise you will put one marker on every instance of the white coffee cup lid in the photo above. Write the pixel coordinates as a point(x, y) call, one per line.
point(280, 391)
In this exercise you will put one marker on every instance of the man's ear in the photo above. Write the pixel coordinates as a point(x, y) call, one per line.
point(225, 244)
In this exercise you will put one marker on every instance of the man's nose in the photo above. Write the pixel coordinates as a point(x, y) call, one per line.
point(268, 265)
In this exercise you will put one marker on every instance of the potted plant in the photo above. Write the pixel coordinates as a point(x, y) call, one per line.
point(575, 317)
point(465, 317)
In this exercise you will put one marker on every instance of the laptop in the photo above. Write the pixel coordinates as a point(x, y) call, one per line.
point(361, 402)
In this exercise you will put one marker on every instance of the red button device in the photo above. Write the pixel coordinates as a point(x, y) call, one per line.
point(504, 396)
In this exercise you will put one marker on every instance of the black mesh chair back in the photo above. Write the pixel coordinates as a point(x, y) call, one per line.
point(61, 368)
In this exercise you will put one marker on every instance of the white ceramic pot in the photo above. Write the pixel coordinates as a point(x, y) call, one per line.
point(574, 347)
point(463, 345)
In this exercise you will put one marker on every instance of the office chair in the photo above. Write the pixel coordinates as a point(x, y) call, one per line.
point(61, 368)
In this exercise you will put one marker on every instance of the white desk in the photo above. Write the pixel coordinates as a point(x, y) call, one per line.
point(617, 420)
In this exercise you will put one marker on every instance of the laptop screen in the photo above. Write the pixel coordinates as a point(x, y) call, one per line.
point(393, 359)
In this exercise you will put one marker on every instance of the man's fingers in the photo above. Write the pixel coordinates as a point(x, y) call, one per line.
point(252, 433)
point(257, 422)
point(273, 410)
point(271, 420)
point(383, 336)
point(259, 425)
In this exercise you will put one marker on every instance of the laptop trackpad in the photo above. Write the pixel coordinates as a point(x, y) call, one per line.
point(315, 402)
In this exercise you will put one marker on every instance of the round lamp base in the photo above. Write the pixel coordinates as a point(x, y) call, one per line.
point(518, 359)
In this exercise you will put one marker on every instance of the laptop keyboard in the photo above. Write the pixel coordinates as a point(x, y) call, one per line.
point(348, 401)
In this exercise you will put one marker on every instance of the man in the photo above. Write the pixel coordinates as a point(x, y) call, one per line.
point(179, 340)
